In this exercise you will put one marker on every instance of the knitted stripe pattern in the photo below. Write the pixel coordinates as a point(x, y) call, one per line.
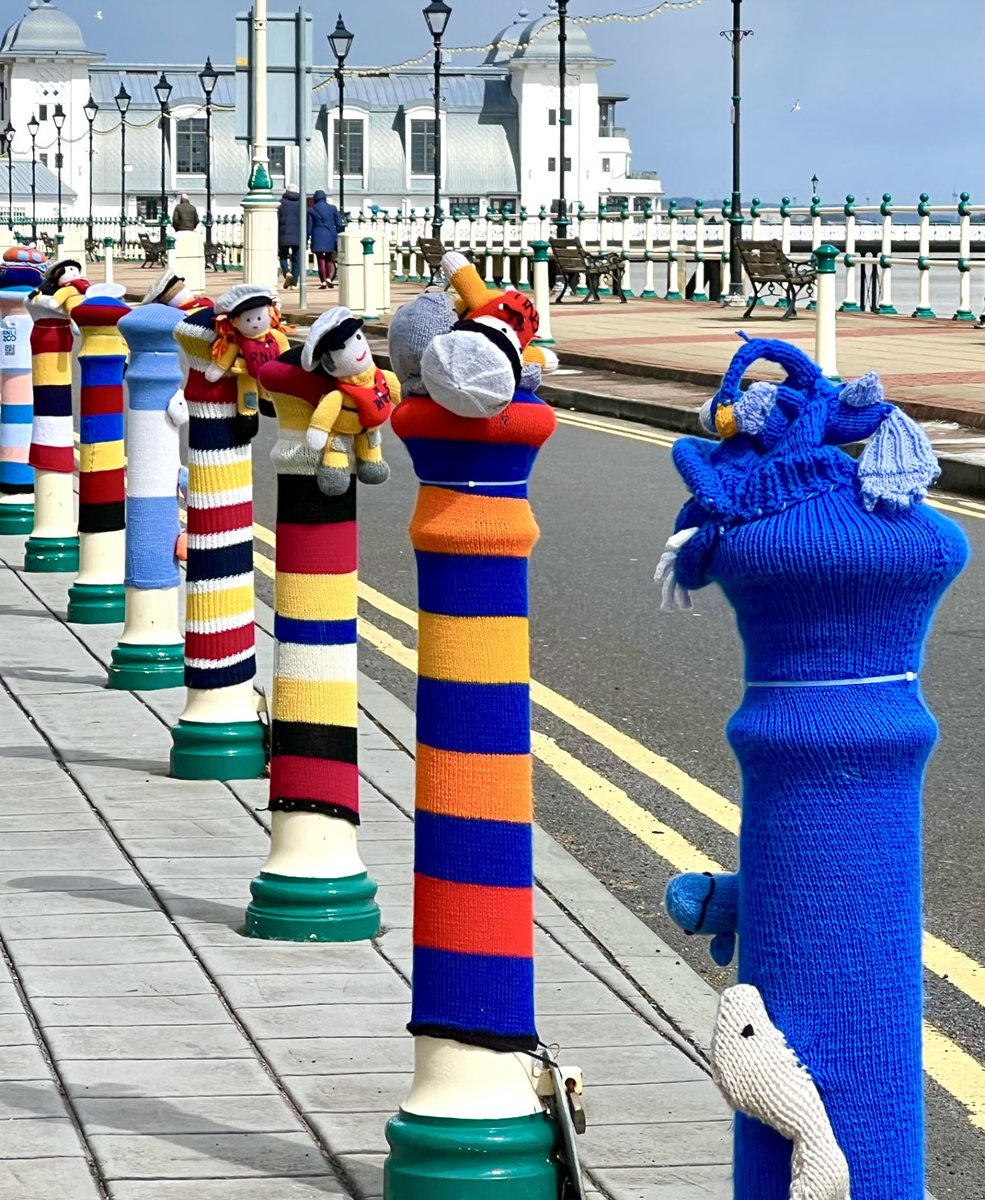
point(827, 902)
point(220, 638)
point(52, 431)
point(16, 398)
point(102, 362)
point(314, 714)
point(153, 461)
point(473, 881)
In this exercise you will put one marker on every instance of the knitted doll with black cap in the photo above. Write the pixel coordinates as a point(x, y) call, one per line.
point(249, 334)
point(172, 290)
point(345, 426)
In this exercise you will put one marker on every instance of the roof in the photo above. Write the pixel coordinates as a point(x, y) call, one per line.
point(477, 90)
point(539, 42)
point(506, 41)
point(139, 80)
point(45, 31)
point(46, 183)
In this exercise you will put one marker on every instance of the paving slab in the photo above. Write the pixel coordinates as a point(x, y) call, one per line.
point(165, 1078)
point(47, 1179)
point(166, 1042)
point(198, 1155)
point(315, 1187)
point(188, 1114)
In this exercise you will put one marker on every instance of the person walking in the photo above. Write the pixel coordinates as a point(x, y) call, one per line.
point(325, 223)
point(289, 233)
point(185, 215)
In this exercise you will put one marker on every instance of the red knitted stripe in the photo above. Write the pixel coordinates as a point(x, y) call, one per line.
point(473, 919)
point(199, 390)
point(53, 458)
point(51, 337)
point(322, 780)
point(221, 520)
point(318, 549)
point(107, 398)
point(526, 424)
point(102, 487)
point(95, 313)
point(291, 380)
point(220, 645)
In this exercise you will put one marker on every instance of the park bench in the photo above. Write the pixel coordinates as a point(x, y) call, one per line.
point(573, 261)
point(769, 269)
point(92, 248)
point(50, 245)
point(433, 250)
point(155, 253)
point(215, 256)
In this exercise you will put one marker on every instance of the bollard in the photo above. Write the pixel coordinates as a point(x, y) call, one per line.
point(826, 311)
point(649, 290)
point(473, 1122)
point(97, 597)
point(150, 653)
point(219, 735)
point(21, 273)
point(923, 308)
point(699, 295)
point(673, 271)
point(523, 270)
point(108, 245)
point(626, 252)
point(832, 737)
point(850, 303)
point(54, 542)
point(964, 312)
point(542, 291)
point(370, 306)
point(886, 306)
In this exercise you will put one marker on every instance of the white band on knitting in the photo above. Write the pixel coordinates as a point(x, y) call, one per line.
point(472, 483)
point(909, 676)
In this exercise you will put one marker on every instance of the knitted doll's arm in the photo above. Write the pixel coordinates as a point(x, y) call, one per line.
point(323, 420)
point(394, 385)
point(282, 340)
point(706, 903)
point(226, 358)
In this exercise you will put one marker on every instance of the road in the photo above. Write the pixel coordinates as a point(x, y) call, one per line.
point(605, 494)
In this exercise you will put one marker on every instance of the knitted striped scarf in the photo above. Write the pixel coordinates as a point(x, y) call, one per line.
point(473, 882)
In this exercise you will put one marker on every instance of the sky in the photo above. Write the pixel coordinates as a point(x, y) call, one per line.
point(868, 95)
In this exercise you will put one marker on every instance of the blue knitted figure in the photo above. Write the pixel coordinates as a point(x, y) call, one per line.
point(834, 571)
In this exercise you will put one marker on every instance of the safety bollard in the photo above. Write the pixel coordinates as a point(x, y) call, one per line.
point(108, 251)
point(542, 290)
point(21, 272)
point(150, 653)
point(826, 312)
point(219, 734)
point(97, 597)
point(370, 303)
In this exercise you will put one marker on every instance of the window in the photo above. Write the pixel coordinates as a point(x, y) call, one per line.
point(552, 164)
point(606, 165)
point(349, 138)
point(552, 116)
point(42, 112)
point(607, 118)
point(43, 159)
point(148, 208)
point(190, 146)
point(464, 203)
point(422, 147)
point(504, 205)
point(277, 159)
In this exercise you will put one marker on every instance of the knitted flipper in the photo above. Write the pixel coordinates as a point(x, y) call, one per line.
point(898, 465)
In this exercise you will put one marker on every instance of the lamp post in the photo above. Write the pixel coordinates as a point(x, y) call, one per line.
point(815, 183)
point(90, 108)
point(58, 120)
point(736, 35)
point(123, 104)
point(341, 42)
point(163, 90)
point(562, 45)
point(437, 15)
point(8, 141)
point(32, 128)
point(208, 77)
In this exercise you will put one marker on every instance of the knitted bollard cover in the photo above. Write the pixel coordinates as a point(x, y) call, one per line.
point(21, 272)
point(834, 570)
point(473, 883)
point(52, 440)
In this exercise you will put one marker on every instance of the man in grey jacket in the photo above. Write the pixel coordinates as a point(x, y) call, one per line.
point(185, 215)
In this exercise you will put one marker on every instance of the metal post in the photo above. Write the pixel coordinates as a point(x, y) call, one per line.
point(208, 173)
point(123, 186)
point(58, 168)
point(164, 152)
point(562, 42)
point(436, 221)
point(89, 237)
point(340, 78)
point(303, 105)
point(34, 188)
point(8, 141)
point(735, 35)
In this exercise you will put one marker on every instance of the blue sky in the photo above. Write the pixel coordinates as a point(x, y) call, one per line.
point(885, 102)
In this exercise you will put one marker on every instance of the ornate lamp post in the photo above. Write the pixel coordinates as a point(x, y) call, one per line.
point(32, 128)
point(90, 108)
point(163, 90)
point(437, 15)
point(123, 98)
point(208, 77)
point(341, 42)
point(58, 120)
point(815, 183)
point(562, 44)
point(736, 35)
point(8, 142)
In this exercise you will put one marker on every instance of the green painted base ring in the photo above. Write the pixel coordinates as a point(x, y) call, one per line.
point(700, 298)
point(964, 314)
point(925, 313)
point(673, 296)
point(850, 306)
point(16, 518)
point(888, 310)
point(51, 554)
point(147, 668)
point(221, 752)
point(440, 1158)
point(286, 908)
point(96, 603)
point(645, 295)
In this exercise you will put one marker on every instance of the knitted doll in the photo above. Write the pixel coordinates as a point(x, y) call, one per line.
point(345, 426)
point(64, 286)
point(249, 334)
point(171, 289)
point(834, 569)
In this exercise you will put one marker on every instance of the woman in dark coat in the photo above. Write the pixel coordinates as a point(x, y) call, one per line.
point(325, 223)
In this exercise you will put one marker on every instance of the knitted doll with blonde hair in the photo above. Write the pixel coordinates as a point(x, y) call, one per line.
point(248, 334)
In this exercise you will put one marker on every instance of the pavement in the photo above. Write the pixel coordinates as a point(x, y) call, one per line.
point(152, 1052)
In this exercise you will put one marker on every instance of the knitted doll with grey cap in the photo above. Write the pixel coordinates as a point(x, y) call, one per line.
point(172, 290)
point(248, 334)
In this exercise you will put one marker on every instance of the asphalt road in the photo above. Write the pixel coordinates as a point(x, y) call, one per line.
point(605, 505)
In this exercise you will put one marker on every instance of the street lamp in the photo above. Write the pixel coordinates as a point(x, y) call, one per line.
point(341, 42)
point(58, 120)
point(122, 99)
point(814, 185)
point(562, 61)
point(32, 128)
point(163, 90)
point(208, 77)
point(90, 108)
point(736, 35)
point(437, 15)
point(8, 141)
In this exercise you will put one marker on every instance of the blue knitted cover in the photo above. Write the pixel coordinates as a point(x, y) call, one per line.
point(827, 901)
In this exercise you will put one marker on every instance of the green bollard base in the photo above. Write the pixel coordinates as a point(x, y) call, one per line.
point(673, 296)
point(888, 310)
point(925, 313)
point(51, 554)
point(221, 752)
point(964, 314)
point(288, 908)
point(440, 1158)
point(16, 518)
point(645, 295)
point(700, 298)
point(850, 306)
point(96, 603)
point(147, 668)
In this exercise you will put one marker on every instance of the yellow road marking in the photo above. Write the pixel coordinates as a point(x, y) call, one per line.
point(963, 512)
point(956, 1071)
point(955, 966)
point(642, 435)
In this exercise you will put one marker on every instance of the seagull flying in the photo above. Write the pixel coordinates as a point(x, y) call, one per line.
point(99, 14)
point(796, 106)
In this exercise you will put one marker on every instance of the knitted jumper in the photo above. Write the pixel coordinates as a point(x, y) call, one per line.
point(220, 639)
point(314, 712)
point(153, 462)
point(833, 603)
point(16, 400)
point(473, 884)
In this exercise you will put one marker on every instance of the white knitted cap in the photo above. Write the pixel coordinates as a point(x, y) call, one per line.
point(250, 295)
point(465, 373)
point(330, 319)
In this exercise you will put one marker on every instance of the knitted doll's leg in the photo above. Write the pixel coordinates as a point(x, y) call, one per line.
point(334, 471)
point(370, 465)
point(707, 904)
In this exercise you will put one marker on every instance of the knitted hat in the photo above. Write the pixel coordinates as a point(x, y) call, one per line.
point(330, 332)
point(413, 328)
point(244, 296)
point(21, 269)
point(165, 289)
point(196, 335)
point(467, 373)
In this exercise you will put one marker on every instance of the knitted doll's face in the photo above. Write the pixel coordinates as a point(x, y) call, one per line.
point(181, 297)
point(352, 359)
point(253, 322)
point(69, 274)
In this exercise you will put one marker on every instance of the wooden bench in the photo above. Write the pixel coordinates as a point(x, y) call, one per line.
point(573, 261)
point(155, 253)
point(50, 245)
point(433, 250)
point(770, 270)
point(92, 248)
point(216, 256)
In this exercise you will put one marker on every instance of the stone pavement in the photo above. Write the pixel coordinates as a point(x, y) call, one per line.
point(148, 1051)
